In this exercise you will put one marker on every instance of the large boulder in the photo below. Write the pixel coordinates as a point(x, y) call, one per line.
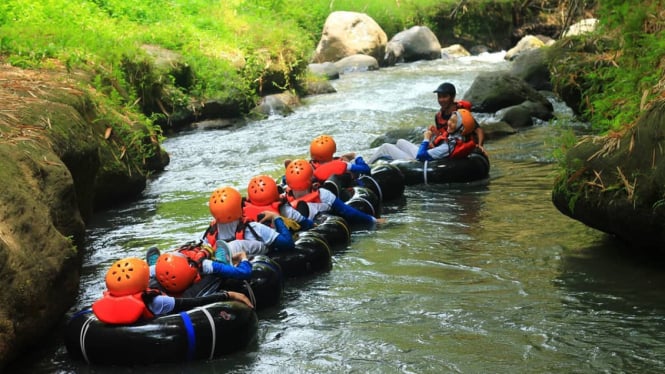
point(414, 44)
point(412, 134)
point(491, 91)
point(533, 68)
point(349, 33)
point(455, 50)
point(526, 43)
point(616, 183)
point(318, 87)
point(357, 63)
point(326, 70)
point(584, 26)
point(496, 129)
point(538, 29)
point(277, 104)
point(516, 116)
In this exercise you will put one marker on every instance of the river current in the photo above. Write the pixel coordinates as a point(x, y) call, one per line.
point(461, 279)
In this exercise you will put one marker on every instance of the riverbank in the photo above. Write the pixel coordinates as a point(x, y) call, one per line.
point(614, 180)
point(59, 159)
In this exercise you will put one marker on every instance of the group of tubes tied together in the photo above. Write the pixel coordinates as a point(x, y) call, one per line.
point(202, 291)
point(175, 272)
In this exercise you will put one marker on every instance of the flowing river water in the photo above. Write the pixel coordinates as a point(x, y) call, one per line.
point(461, 279)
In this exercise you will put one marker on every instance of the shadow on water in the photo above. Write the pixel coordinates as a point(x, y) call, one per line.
point(610, 274)
point(614, 306)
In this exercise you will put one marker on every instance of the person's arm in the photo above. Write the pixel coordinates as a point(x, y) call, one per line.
point(158, 303)
point(480, 136)
point(288, 211)
point(358, 165)
point(283, 240)
point(422, 154)
point(162, 304)
point(187, 303)
point(352, 214)
point(306, 223)
point(242, 271)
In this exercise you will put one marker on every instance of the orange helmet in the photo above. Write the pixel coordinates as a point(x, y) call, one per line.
point(262, 190)
point(468, 122)
point(299, 175)
point(127, 276)
point(225, 204)
point(174, 272)
point(322, 148)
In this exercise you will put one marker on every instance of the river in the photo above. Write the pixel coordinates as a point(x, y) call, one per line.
point(466, 279)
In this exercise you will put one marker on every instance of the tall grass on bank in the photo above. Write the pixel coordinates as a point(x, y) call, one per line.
point(215, 38)
point(628, 72)
point(228, 43)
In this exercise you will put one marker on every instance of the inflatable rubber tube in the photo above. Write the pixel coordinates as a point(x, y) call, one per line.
point(202, 333)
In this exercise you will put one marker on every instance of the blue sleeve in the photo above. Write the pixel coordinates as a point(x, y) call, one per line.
point(284, 240)
point(422, 154)
point(306, 223)
point(351, 214)
point(161, 304)
point(360, 166)
point(242, 271)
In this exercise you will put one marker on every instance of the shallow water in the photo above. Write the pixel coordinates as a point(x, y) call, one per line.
point(468, 279)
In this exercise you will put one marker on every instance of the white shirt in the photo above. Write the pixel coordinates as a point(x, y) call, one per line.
point(327, 199)
point(252, 245)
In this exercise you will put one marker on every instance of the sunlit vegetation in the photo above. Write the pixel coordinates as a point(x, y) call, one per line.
point(619, 69)
point(229, 44)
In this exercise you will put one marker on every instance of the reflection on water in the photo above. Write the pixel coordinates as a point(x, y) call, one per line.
point(474, 279)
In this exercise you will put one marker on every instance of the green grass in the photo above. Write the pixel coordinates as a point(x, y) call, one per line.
point(633, 64)
point(229, 43)
point(235, 48)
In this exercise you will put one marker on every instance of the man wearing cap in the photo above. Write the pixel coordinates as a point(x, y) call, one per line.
point(445, 95)
point(434, 143)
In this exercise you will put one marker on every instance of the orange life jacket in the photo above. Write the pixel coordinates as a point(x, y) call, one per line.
point(463, 104)
point(463, 149)
point(440, 135)
point(325, 170)
point(442, 123)
point(195, 253)
point(251, 211)
point(121, 310)
point(211, 232)
point(464, 146)
point(312, 197)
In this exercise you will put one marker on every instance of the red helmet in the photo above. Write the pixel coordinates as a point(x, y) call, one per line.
point(225, 204)
point(262, 190)
point(175, 272)
point(322, 148)
point(127, 276)
point(299, 175)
